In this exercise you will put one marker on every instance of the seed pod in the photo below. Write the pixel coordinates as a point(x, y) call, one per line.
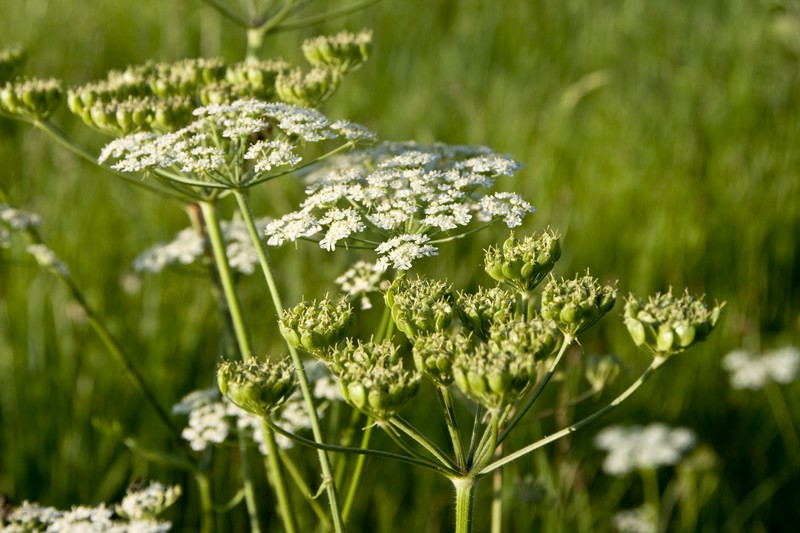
point(316, 326)
point(577, 304)
point(258, 387)
point(523, 264)
point(420, 307)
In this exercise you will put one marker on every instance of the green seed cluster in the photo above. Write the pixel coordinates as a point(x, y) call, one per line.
point(434, 354)
point(136, 114)
point(576, 304)
point(258, 387)
point(307, 89)
point(420, 306)
point(316, 326)
point(493, 377)
point(536, 337)
point(372, 378)
point(343, 52)
point(31, 99)
point(480, 310)
point(523, 264)
point(666, 324)
point(11, 58)
point(601, 370)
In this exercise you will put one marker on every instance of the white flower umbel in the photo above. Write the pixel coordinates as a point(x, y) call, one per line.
point(47, 258)
point(360, 281)
point(753, 372)
point(226, 144)
point(188, 247)
point(148, 502)
point(639, 520)
point(402, 200)
point(636, 447)
point(17, 219)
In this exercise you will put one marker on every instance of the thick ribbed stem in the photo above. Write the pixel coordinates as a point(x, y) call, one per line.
point(465, 490)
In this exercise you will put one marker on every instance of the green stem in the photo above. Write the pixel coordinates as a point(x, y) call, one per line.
point(651, 495)
point(291, 468)
point(275, 470)
point(423, 441)
point(211, 220)
point(657, 362)
point(783, 418)
point(206, 504)
point(355, 478)
point(452, 424)
point(324, 460)
point(497, 497)
point(247, 487)
point(465, 491)
point(537, 391)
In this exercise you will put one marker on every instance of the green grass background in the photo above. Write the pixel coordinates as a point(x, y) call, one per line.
point(659, 137)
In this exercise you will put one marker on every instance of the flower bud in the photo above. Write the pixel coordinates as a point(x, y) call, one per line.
point(316, 326)
point(523, 264)
point(420, 306)
point(309, 90)
point(31, 99)
point(666, 324)
point(343, 52)
point(258, 387)
point(372, 378)
point(577, 304)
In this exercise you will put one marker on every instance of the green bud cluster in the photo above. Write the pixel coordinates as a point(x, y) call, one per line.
point(523, 264)
point(493, 375)
point(666, 324)
point(309, 89)
point(256, 78)
point(316, 326)
point(258, 387)
point(534, 338)
point(11, 59)
point(480, 310)
point(576, 304)
point(343, 52)
point(186, 77)
point(136, 114)
point(372, 378)
point(420, 306)
point(31, 99)
point(434, 355)
point(602, 370)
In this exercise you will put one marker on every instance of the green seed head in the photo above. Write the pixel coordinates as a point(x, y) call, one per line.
point(420, 306)
point(310, 89)
point(372, 378)
point(258, 387)
point(666, 324)
point(576, 304)
point(255, 78)
point(523, 264)
point(480, 310)
point(533, 340)
point(316, 326)
point(31, 99)
point(434, 355)
point(11, 59)
point(343, 52)
point(602, 370)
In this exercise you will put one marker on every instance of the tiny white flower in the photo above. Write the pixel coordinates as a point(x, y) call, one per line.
point(402, 250)
point(208, 424)
point(753, 372)
point(18, 219)
point(360, 281)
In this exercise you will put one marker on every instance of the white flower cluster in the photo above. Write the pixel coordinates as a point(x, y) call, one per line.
point(136, 514)
point(398, 197)
point(753, 372)
point(216, 144)
point(360, 281)
point(18, 219)
point(212, 418)
point(187, 247)
point(636, 447)
point(639, 520)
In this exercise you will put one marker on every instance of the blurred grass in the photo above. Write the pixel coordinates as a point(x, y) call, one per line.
point(658, 137)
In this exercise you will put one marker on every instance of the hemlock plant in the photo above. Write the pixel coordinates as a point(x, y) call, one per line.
point(206, 133)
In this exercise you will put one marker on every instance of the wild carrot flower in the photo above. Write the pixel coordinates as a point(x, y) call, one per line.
point(751, 371)
point(402, 199)
point(637, 447)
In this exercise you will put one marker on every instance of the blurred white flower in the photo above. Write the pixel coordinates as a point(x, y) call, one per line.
point(360, 281)
point(639, 520)
point(753, 372)
point(148, 502)
point(637, 447)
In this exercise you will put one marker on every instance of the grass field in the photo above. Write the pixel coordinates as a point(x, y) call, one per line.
point(659, 138)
